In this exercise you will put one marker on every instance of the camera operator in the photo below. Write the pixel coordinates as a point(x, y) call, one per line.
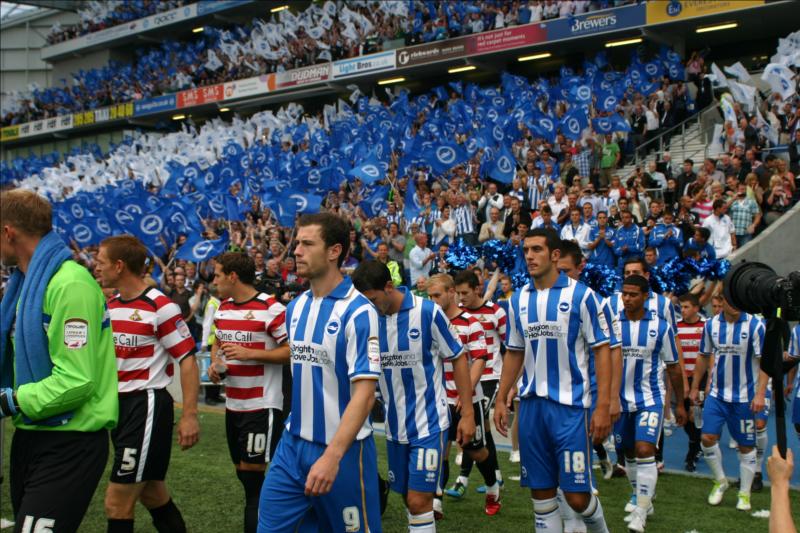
point(59, 373)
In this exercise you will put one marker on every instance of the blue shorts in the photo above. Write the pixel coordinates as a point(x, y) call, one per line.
point(554, 445)
point(352, 504)
point(417, 465)
point(737, 416)
point(639, 426)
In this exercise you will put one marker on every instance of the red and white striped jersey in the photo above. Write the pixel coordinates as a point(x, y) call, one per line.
point(472, 337)
point(148, 333)
point(690, 335)
point(258, 324)
point(493, 319)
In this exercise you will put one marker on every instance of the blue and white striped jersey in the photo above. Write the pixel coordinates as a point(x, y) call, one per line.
point(647, 345)
point(655, 305)
point(556, 328)
point(736, 349)
point(333, 342)
point(414, 342)
point(614, 341)
point(464, 218)
point(794, 351)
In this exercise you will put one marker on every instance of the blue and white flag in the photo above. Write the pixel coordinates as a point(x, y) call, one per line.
point(444, 157)
point(610, 124)
point(375, 202)
point(369, 171)
point(573, 123)
point(505, 166)
point(197, 249)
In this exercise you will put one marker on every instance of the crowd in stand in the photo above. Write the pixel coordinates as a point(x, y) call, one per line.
point(101, 14)
point(322, 33)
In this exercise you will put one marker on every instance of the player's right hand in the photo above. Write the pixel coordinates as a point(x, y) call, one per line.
point(501, 418)
point(212, 374)
point(693, 397)
point(465, 431)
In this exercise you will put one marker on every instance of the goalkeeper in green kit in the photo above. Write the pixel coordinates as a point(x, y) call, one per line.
point(58, 375)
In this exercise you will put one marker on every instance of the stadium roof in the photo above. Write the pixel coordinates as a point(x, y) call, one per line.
point(12, 9)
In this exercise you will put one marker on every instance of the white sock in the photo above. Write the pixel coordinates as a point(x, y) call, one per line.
point(593, 516)
point(463, 480)
point(747, 470)
point(646, 479)
point(421, 523)
point(499, 475)
point(546, 518)
point(494, 490)
point(713, 457)
point(761, 447)
point(630, 471)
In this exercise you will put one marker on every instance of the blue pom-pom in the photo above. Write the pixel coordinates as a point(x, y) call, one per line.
point(519, 279)
point(600, 278)
point(500, 253)
point(461, 256)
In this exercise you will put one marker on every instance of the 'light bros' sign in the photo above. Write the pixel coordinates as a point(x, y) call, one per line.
point(362, 65)
point(598, 22)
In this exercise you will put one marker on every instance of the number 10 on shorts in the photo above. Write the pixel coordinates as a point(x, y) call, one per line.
point(427, 460)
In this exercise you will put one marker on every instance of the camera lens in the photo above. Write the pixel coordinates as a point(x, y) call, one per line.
point(752, 287)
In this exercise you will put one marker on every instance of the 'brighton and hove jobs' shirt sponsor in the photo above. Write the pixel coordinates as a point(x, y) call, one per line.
point(736, 349)
point(414, 343)
point(647, 345)
point(333, 341)
point(149, 333)
point(555, 328)
point(257, 324)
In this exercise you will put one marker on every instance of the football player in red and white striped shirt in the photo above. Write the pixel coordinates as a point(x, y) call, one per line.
point(249, 352)
point(493, 319)
point(441, 289)
point(149, 335)
point(690, 331)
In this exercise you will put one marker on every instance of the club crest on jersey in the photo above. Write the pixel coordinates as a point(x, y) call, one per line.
point(413, 334)
point(136, 317)
point(563, 307)
point(249, 316)
point(182, 328)
point(332, 327)
point(652, 333)
point(744, 335)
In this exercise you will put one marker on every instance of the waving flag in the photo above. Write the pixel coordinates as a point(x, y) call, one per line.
point(369, 171)
point(610, 124)
point(411, 205)
point(505, 166)
point(197, 249)
point(573, 123)
point(375, 202)
point(445, 156)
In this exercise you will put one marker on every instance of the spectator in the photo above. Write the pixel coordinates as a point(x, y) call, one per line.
point(493, 228)
point(629, 239)
point(420, 258)
point(778, 201)
point(723, 234)
point(609, 161)
point(576, 231)
point(745, 214)
point(394, 268)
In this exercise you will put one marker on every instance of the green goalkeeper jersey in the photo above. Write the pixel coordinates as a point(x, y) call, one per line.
point(81, 345)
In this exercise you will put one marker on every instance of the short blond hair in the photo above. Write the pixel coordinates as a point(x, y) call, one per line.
point(26, 211)
point(445, 280)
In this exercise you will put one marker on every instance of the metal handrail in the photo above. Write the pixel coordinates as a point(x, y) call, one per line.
point(684, 125)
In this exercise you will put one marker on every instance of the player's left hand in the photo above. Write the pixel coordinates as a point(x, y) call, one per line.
point(680, 414)
point(188, 431)
point(466, 429)
point(322, 475)
point(236, 352)
point(600, 425)
point(758, 403)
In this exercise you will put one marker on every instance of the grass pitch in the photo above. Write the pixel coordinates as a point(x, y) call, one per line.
point(205, 488)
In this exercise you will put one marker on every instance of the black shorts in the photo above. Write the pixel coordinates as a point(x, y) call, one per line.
point(479, 441)
point(54, 475)
point(253, 435)
point(489, 387)
point(143, 436)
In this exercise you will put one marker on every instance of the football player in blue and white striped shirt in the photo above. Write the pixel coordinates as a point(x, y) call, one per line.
point(552, 323)
point(415, 338)
point(647, 344)
point(738, 390)
point(326, 459)
point(794, 352)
